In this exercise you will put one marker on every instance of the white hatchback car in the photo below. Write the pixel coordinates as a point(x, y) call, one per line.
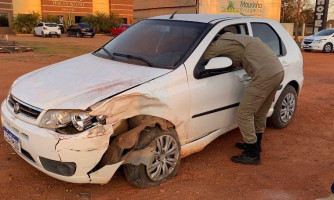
point(322, 41)
point(45, 29)
point(144, 100)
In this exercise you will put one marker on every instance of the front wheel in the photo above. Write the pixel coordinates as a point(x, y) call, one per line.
point(284, 108)
point(165, 159)
point(327, 48)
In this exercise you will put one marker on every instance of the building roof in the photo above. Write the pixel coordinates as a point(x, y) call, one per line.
point(204, 18)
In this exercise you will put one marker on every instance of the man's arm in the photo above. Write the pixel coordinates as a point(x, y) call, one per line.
point(212, 51)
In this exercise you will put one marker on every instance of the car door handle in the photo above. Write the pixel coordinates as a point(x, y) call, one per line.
point(245, 77)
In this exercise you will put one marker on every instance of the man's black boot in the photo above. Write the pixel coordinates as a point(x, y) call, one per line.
point(258, 142)
point(250, 156)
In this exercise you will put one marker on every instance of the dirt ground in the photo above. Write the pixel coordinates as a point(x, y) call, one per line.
point(297, 162)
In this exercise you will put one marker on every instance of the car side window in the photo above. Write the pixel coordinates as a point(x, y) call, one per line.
point(236, 29)
point(199, 69)
point(40, 24)
point(269, 36)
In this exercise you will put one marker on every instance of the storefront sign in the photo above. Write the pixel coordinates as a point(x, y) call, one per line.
point(67, 6)
point(320, 15)
point(243, 7)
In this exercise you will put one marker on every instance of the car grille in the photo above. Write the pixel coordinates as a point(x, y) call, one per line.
point(24, 108)
point(308, 41)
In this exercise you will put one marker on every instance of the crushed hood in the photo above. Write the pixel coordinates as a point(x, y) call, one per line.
point(80, 82)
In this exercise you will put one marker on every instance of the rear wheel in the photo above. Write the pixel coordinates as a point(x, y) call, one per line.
point(165, 159)
point(327, 48)
point(285, 108)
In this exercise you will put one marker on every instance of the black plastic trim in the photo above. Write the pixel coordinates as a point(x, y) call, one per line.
point(216, 110)
point(280, 87)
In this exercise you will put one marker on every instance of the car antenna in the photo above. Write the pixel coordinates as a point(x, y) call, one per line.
point(172, 16)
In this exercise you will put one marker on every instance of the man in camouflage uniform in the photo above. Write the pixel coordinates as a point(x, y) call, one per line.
point(266, 72)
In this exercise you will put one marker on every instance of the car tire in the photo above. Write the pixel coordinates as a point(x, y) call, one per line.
point(78, 35)
point(328, 47)
point(35, 35)
point(285, 108)
point(59, 35)
point(143, 176)
point(307, 50)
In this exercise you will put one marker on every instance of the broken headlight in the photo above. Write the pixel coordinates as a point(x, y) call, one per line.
point(69, 121)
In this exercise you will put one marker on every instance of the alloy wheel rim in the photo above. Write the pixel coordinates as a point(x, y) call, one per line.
point(165, 158)
point(288, 107)
point(328, 48)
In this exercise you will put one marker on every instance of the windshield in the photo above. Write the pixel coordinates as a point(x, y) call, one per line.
point(85, 26)
point(325, 33)
point(159, 43)
point(51, 25)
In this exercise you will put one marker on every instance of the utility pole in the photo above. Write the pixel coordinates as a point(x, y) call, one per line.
point(297, 21)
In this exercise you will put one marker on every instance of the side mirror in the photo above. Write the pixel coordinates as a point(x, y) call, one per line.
point(218, 63)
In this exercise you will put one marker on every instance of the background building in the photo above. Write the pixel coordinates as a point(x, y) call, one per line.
point(61, 8)
point(261, 8)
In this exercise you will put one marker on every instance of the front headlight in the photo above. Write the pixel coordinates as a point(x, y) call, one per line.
point(69, 119)
point(319, 41)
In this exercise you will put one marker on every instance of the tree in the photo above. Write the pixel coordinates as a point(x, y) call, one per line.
point(297, 11)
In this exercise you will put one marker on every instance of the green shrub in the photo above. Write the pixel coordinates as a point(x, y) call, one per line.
point(25, 23)
point(51, 18)
point(102, 22)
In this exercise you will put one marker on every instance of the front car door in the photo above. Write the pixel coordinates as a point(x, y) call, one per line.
point(215, 97)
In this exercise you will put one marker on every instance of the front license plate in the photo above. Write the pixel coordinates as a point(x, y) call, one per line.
point(12, 139)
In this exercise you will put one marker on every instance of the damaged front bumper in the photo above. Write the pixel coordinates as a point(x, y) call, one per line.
point(65, 157)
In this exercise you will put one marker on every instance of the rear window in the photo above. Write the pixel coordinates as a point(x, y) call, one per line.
point(51, 25)
point(85, 26)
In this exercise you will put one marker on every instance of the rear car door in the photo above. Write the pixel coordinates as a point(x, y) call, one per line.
point(214, 97)
point(268, 35)
point(70, 30)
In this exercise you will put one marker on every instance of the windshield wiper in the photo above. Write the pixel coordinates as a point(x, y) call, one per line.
point(134, 57)
point(108, 52)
